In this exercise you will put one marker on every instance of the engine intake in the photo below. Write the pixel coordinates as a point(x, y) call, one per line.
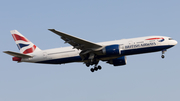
point(112, 50)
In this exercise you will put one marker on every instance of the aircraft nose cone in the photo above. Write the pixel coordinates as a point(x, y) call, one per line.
point(175, 42)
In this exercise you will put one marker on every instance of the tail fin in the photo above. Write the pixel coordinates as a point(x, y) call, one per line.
point(25, 46)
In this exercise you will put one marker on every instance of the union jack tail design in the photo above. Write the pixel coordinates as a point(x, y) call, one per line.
point(25, 46)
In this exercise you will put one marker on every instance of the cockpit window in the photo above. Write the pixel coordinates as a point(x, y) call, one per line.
point(170, 39)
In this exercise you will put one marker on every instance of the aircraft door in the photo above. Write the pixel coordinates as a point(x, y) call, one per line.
point(121, 46)
point(44, 55)
point(131, 42)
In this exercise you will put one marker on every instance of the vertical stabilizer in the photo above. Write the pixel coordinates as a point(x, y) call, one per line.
point(25, 46)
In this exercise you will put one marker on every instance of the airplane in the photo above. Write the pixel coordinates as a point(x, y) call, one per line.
point(90, 53)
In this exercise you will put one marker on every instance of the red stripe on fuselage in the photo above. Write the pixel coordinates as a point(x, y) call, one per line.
point(154, 38)
point(30, 50)
point(17, 38)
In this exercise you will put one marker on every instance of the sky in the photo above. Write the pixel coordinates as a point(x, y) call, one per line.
point(146, 77)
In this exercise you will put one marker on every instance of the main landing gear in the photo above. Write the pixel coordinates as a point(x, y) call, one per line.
point(96, 68)
point(163, 51)
point(94, 62)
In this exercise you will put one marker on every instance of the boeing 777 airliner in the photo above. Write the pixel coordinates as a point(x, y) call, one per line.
point(112, 52)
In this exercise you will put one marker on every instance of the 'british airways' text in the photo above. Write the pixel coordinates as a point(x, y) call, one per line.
point(139, 45)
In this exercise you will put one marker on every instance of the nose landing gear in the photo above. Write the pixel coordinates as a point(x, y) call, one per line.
point(162, 56)
point(163, 51)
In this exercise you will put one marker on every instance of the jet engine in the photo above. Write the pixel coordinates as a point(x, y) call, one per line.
point(112, 50)
point(118, 61)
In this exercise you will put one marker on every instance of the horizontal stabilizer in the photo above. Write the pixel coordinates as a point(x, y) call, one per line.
point(20, 55)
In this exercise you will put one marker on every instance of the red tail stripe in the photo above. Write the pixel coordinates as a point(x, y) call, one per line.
point(30, 50)
point(17, 37)
point(16, 59)
point(14, 37)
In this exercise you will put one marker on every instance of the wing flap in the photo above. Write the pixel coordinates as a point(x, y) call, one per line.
point(75, 41)
point(17, 54)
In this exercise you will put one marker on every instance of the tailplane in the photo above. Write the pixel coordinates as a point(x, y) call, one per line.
point(25, 46)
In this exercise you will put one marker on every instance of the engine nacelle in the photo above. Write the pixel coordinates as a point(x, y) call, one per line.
point(118, 61)
point(112, 50)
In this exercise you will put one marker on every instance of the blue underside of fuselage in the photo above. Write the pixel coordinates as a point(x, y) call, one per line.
point(123, 53)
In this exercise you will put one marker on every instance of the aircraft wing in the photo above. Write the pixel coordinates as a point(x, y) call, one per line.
point(17, 54)
point(76, 42)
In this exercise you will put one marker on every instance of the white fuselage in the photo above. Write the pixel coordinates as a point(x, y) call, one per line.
point(127, 47)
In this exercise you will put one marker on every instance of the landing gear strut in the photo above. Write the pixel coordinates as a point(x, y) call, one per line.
point(163, 51)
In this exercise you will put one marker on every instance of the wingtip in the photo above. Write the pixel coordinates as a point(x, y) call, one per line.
point(5, 51)
point(51, 29)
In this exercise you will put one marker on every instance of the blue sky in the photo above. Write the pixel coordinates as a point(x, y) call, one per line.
point(146, 77)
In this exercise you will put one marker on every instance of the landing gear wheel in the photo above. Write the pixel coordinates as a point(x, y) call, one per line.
point(92, 70)
point(99, 67)
point(95, 68)
point(163, 56)
point(87, 64)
